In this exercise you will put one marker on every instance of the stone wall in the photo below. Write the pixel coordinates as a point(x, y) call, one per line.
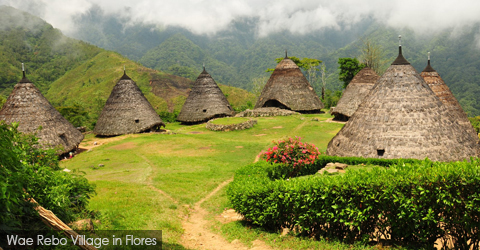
point(230, 127)
point(270, 111)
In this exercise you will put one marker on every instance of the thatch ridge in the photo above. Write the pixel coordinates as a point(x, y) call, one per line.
point(288, 88)
point(127, 111)
point(438, 86)
point(27, 106)
point(205, 101)
point(402, 118)
point(355, 92)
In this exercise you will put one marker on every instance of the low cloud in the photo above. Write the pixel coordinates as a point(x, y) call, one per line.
point(303, 16)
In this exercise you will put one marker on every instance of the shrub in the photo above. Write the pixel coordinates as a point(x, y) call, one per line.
point(293, 153)
point(26, 171)
point(411, 202)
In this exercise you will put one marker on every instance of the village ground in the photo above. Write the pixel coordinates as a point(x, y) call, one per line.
point(175, 182)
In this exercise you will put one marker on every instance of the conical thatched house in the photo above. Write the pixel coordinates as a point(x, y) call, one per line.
point(205, 101)
point(438, 86)
point(402, 118)
point(354, 94)
point(288, 88)
point(127, 111)
point(27, 106)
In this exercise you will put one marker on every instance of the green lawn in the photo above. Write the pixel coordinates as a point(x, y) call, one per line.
point(147, 179)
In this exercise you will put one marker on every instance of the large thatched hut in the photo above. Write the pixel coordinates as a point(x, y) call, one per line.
point(127, 111)
point(288, 88)
point(354, 94)
point(27, 106)
point(438, 86)
point(205, 101)
point(402, 118)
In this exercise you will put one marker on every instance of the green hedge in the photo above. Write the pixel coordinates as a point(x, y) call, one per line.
point(411, 201)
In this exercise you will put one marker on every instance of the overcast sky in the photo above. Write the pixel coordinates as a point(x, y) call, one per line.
point(299, 16)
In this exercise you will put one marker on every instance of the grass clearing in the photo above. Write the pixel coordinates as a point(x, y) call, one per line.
point(148, 179)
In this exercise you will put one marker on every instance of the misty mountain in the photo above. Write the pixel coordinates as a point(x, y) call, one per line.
point(237, 55)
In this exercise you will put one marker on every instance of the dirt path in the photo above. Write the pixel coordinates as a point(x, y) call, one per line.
point(197, 236)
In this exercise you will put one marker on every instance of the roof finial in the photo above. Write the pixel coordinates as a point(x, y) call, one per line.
point(23, 70)
point(429, 57)
point(203, 66)
point(286, 56)
point(400, 40)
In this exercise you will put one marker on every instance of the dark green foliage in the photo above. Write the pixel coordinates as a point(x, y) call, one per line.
point(331, 98)
point(411, 202)
point(75, 114)
point(475, 121)
point(29, 172)
point(169, 116)
point(349, 67)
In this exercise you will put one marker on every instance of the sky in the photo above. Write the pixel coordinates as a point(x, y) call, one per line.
point(298, 16)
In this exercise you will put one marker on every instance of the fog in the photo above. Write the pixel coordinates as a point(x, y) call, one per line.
point(303, 16)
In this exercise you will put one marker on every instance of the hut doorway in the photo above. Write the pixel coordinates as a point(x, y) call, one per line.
point(275, 103)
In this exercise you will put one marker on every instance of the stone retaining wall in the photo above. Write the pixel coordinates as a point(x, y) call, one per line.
point(270, 111)
point(230, 127)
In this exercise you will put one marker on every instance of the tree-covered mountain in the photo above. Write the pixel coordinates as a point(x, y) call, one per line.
point(237, 55)
point(77, 77)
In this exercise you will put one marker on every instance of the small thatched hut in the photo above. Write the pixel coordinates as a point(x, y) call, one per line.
point(27, 106)
point(438, 86)
point(402, 118)
point(288, 88)
point(354, 94)
point(127, 111)
point(205, 101)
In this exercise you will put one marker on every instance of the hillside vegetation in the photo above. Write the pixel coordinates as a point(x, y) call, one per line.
point(237, 55)
point(77, 77)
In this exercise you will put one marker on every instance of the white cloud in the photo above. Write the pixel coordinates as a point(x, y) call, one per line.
point(302, 16)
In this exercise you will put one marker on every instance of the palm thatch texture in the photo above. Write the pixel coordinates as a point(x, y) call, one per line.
point(127, 111)
point(438, 86)
point(27, 106)
point(354, 94)
point(402, 118)
point(205, 101)
point(288, 88)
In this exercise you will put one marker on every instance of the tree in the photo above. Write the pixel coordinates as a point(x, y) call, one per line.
point(349, 67)
point(258, 85)
point(323, 70)
point(372, 55)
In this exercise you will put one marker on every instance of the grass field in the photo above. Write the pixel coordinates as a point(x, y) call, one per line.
point(148, 181)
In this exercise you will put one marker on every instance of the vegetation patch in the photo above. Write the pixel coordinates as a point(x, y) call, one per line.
point(412, 202)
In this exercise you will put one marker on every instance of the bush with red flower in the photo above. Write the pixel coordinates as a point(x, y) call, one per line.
point(293, 153)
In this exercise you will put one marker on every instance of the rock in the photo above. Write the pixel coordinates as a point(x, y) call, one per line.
point(101, 165)
point(66, 170)
point(341, 166)
point(330, 165)
point(95, 143)
point(315, 119)
point(331, 170)
point(239, 126)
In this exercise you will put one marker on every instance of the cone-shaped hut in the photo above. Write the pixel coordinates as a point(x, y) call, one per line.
point(205, 101)
point(27, 106)
point(402, 118)
point(354, 94)
point(288, 88)
point(438, 86)
point(127, 111)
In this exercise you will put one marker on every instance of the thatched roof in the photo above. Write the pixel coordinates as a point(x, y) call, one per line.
point(127, 111)
point(354, 94)
point(205, 101)
point(402, 118)
point(289, 89)
point(438, 86)
point(27, 106)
